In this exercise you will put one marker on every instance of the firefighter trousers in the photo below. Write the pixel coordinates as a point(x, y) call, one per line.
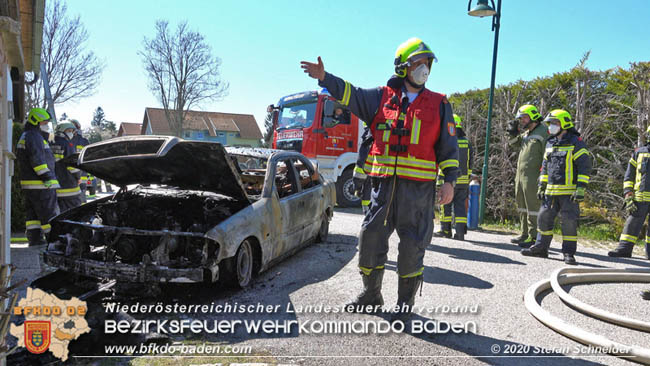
point(66, 203)
point(83, 186)
point(365, 195)
point(528, 208)
point(460, 211)
point(40, 207)
point(569, 212)
point(410, 212)
point(634, 224)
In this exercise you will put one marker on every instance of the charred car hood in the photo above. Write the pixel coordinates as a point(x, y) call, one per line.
point(164, 160)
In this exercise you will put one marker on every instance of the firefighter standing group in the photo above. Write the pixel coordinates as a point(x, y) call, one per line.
point(49, 185)
point(414, 139)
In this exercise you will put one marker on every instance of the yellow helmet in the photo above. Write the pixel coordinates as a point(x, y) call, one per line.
point(458, 121)
point(411, 50)
point(38, 115)
point(562, 116)
point(530, 110)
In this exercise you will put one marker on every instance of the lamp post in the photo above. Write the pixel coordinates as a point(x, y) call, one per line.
point(482, 9)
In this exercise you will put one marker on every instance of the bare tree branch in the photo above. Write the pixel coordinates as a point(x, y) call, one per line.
point(72, 71)
point(182, 71)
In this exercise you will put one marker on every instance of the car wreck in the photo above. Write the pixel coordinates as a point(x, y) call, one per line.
point(190, 212)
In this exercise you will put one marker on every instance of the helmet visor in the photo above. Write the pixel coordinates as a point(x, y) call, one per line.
point(422, 54)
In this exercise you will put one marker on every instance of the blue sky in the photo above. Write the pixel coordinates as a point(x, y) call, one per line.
point(262, 42)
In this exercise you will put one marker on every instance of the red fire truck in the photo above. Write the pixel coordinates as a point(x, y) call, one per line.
point(318, 126)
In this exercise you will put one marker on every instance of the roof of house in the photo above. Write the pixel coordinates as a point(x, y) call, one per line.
point(245, 124)
point(129, 128)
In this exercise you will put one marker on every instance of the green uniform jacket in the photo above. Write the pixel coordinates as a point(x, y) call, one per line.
point(531, 153)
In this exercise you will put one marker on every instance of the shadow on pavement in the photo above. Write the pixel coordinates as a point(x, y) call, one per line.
point(493, 350)
point(637, 261)
point(472, 255)
point(443, 276)
point(502, 246)
point(311, 265)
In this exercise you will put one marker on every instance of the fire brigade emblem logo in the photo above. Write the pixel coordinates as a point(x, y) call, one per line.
point(37, 335)
point(451, 127)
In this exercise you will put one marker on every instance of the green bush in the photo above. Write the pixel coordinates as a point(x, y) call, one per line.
point(17, 200)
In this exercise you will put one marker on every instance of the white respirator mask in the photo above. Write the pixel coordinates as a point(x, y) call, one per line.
point(554, 130)
point(420, 74)
point(69, 134)
point(45, 127)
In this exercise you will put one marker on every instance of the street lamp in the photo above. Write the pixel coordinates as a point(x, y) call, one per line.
point(482, 9)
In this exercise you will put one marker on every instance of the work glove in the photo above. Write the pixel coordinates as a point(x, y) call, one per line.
point(513, 128)
point(358, 186)
point(630, 206)
point(541, 192)
point(578, 195)
point(49, 183)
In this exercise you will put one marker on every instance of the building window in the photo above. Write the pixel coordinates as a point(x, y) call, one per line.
point(221, 134)
point(188, 134)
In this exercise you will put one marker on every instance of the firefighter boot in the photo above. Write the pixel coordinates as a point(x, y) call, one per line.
point(624, 249)
point(445, 230)
point(461, 229)
point(570, 259)
point(519, 239)
point(538, 250)
point(406, 289)
point(645, 294)
point(526, 243)
point(35, 237)
point(371, 294)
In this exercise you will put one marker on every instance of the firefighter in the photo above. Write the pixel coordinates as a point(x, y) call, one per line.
point(530, 144)
point(79, 142)
point(636, 189)
point(414, 136)
point(362, 185)
point(69, 195)
point(564, 177)
point(461, 191)
point(37, 176)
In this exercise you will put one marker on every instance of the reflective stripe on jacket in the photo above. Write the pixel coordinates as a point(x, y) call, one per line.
point(35, 159)
point(404, 142)
point(566, 165)
point(637, 179)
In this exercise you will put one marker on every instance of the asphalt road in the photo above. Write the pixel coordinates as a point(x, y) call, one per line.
point(484, 273)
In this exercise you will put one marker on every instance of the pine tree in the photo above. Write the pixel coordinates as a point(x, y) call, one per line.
point(98, 117)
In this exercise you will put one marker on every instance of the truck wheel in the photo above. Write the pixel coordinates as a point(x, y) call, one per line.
point(345, 191)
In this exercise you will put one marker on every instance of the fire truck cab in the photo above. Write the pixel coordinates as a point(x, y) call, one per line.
point(325, 131)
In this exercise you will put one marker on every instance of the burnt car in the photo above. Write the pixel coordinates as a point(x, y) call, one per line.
point(190, 212)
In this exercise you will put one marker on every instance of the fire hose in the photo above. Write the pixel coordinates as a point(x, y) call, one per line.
point(565, 276)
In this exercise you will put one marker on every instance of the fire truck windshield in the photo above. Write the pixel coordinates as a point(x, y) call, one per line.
point(297, 116)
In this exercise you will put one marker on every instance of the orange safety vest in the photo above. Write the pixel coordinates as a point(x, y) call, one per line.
point(410, 149)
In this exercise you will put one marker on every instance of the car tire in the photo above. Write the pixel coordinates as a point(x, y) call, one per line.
point(240, 267)
point(345, 190)
point(321, 237)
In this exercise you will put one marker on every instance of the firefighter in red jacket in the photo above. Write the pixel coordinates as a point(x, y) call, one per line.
point(37, 176)
point(414, 136)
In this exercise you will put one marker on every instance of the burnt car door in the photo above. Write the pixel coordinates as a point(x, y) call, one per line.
point(287, 203)
point(310, 198)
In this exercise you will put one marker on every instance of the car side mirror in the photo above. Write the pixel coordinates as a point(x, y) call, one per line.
point(328, 114)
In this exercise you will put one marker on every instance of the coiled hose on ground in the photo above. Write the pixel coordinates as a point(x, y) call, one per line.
point(565, 276)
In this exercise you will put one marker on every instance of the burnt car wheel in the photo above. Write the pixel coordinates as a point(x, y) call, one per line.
point(324, 229)
point(240, 267)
